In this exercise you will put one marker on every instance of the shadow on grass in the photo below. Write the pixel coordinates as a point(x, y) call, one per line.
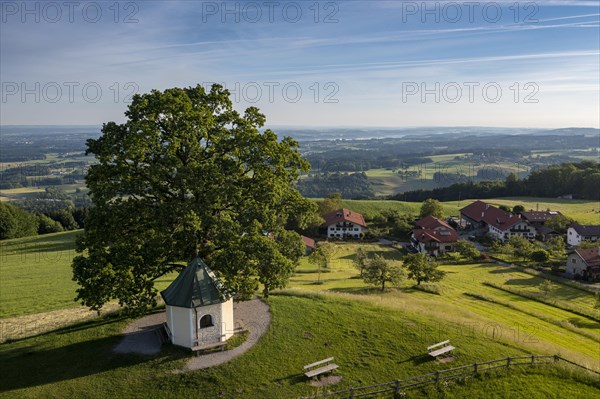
point(503, 270)
point(389, 255)
point(359, 290)
point(522, 281)
point(579, 322)
point(418, 359)
point(54, 358)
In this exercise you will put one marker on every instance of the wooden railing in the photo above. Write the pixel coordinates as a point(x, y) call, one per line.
point(400, 385)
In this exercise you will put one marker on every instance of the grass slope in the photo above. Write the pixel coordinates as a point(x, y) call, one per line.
point(371, 344)
point(36, 274)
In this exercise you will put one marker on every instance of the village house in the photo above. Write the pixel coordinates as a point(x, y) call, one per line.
point(309, 245)
point(538, 220)
point(584, 263)
point(577, 233)
point(499, 224)
point(433, 236)
point(344, 223)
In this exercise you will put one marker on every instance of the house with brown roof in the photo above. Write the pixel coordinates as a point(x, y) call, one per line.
point(539, 218)
point(577, 233)
point(584, 263)
point(309, 245)
point(500, 224)
point(433, 236)
point(344, 223)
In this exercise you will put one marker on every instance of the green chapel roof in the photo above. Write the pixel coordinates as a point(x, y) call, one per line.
point(195, 286)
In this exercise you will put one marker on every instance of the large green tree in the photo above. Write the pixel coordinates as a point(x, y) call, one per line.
point(186, 175)
point(422, 269)
point(378, 271)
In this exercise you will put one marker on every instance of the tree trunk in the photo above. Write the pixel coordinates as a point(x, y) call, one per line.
point(383, 285)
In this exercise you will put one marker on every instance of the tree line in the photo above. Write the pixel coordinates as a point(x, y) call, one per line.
point(350, 185)
point(16, 222)
point(581, 180)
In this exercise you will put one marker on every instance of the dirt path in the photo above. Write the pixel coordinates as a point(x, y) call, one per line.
point(34, 324)
point(141, 336)
point(253, 316)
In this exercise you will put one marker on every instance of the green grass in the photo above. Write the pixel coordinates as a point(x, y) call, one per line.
point(454, 310)
point(36, 274)
point(371, 343)
point(375, 336)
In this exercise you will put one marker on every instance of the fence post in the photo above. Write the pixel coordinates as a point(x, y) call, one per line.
point(397, 387)
point(532, 359)
point(437, 376)
point(475, 368)
point(556, 358)
point(508, 362)
point(351, 393)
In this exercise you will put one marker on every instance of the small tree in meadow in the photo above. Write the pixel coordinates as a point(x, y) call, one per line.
point(546, 287)
point(379, 271)
point(540, 256)
point(422, 269)
point(321, 257)
point(360, 260)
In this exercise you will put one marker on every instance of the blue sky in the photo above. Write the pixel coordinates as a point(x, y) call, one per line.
point(309, 63)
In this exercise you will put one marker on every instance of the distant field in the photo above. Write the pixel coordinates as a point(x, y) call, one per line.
point(585, 212)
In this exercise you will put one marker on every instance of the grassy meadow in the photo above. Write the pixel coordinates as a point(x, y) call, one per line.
point(372, 343)
point(374, 336)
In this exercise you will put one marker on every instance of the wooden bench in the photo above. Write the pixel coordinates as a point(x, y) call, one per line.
point(444, 347)
point(327, 367)
point(202, 348)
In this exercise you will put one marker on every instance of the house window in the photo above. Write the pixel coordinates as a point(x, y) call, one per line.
point(573, 260)
point(206, 321)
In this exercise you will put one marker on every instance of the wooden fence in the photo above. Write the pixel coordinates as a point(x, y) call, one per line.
point(398, 386)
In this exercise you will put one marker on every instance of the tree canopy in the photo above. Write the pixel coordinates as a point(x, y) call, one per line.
point(187, 175)
point(421, 269)
point(378, 271)
point(431, 207)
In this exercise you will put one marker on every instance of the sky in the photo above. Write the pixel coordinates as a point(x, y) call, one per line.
point(308, 63)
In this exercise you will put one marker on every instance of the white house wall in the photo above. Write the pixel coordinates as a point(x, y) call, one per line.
point(352, 229)
point(181, 322)
point(227, 322)
point(575, 265)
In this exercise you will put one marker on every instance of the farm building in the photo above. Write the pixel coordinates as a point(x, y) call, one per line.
point(584, 263)
point(199, 311)
point(344, 223)
point(577, 233)
point(309, 245)
point(433, 236)
point(500, 224)
point(538, 220)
